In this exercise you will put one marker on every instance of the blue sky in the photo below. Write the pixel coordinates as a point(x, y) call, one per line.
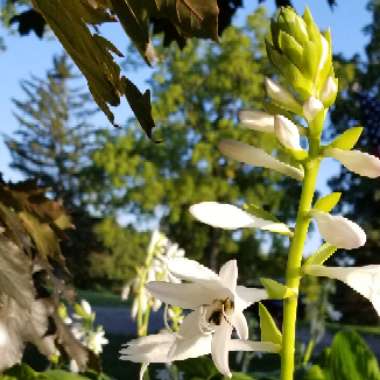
point(29, 55)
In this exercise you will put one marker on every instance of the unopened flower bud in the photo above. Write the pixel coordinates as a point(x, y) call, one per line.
point(356, 161)
point(257, 120)
point(329, 91)
point(282, 97)
point(287, 132)
point(311, 108)
point(339, 231)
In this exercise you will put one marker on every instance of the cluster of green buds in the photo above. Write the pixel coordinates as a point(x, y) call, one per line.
point(303, 57)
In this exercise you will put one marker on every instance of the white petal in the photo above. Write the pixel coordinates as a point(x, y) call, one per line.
point(228, 274)
point(149, 349)
point(311, 108)
point(229, 217)
point(365, 280)
point(222, 215)
point(190, 270)
point(219, 348)
point(187, 296)
point(356, 161)
point(248, 345)
point(190, 325)
point(339, 231)
point(257, 157)
point(198, 345)
point(257, 120)
point(287, 132)
point(248, 296)
point(239, 321)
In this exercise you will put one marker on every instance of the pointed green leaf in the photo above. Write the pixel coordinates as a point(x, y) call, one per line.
point(269, 330)
point(276, 290)
point(315, 373)
point(350, 358)
point(325, 251)
point(348, 139)
point(328, 202)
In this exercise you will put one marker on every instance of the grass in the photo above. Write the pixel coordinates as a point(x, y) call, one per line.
point(369, 330)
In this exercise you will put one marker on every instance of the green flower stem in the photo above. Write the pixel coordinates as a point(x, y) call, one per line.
point(293, 270)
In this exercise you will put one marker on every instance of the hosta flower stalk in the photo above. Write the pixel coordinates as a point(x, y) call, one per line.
point(302, 56)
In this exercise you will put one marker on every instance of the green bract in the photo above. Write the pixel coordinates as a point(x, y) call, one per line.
point(300, 52)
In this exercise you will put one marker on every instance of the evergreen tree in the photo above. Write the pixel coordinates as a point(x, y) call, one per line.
point(53, 142)
point(53, 145)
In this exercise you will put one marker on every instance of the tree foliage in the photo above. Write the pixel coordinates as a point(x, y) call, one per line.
point(71, 22)
point(198, 93)
point(53, 145)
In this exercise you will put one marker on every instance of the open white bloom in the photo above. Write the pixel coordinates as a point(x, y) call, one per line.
point(257, 120)
point(365, 280)
point(229, 217)
point(356, 161)
point(96, 340)
point(217, 303)
point(339, 231)
point(311, 108)
point(158, 348)
point(257, 157)
point(287, 132)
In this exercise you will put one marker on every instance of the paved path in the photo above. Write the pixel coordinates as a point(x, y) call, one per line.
point(117, 321)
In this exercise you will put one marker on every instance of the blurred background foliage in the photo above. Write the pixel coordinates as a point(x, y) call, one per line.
point(117, 185)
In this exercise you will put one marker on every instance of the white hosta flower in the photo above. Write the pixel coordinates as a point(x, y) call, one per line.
point(257, 120)
point(257, 157)
point(229, 217)
point(365, 280)
point(339, 231)
point(158, 348)
point(217, 303)
point(281, 96)
point(311, 108)
point(287, 132)
point(96, 340)
point(356, 161)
